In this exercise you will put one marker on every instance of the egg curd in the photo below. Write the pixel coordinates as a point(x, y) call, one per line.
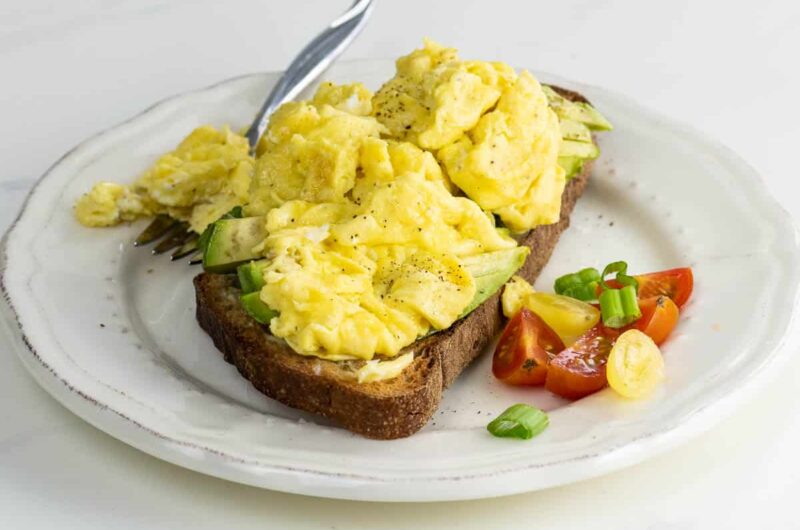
point(491, 129)
point(202, 179)
point(370, 202)
point(370, 275)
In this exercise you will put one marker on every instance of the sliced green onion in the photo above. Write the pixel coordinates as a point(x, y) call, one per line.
point(619, 307)
point(519, 421)
point(589, 274)
point(584, 293)
point(581, 285)
point(621, 268)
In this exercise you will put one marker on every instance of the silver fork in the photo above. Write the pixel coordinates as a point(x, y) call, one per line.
point(309, 64)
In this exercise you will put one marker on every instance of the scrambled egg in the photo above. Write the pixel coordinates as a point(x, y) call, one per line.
point(491, 129)
point(435, 98)
point(311, 148)
point(202, 179)
point(353, 280)
point(363, 198)
point(108, 204)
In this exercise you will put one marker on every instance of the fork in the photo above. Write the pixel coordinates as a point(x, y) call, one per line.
point(309, 64)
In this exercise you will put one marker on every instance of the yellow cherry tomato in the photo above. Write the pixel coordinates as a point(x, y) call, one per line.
point(568, 317)
point(635, 365)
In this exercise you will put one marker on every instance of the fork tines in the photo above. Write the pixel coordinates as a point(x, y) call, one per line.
point(187, 249)
point(174, 237)
point(172, 234)
point(155, 230)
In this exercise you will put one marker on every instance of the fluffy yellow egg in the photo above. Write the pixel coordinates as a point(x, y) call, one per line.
point(311, 149)
point(107, 204)
point(203, 178)
point(371, 203)
point(351, 280)
point(434, 98)
point(490, 128)
point(509, 162)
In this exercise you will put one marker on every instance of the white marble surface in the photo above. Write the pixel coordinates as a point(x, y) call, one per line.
point(72, 68)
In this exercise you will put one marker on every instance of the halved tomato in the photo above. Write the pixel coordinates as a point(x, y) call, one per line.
point(525, 348)
point(568, 317)
point(580, 370)
point(676, 284)
point(659, 317)
point(635, 365)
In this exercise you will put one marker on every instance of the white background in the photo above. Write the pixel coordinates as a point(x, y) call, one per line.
point(69, 69)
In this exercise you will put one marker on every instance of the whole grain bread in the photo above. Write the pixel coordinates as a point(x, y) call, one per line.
point(386, 409)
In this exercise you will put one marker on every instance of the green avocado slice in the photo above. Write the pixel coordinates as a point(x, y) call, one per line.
point(257, 309)
point(572, 165)
point(575, 130)
point(581, 150)
point(491, 271)
point(576, 111)
point(230, 242)
point(490, 263)
point(486, 286)
point(251, 276)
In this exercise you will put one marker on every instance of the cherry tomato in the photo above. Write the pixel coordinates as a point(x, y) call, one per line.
point(568, 317)
point(659, 317)
point(635, 365)
point(525, 348)
point(677, 284)
point(580, 370)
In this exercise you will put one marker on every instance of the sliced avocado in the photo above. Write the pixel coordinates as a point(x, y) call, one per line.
point(486, 286)
point(230, 243)
point(583, 113)
point(575, 130)
point(493, 262)
point(251, 276)
point(234, 213)
point(257, 309)
point(572, 165)
point(491, 271)
point(576, 111)
point(581, 150)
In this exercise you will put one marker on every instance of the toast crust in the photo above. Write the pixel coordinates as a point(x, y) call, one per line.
point(382, 410)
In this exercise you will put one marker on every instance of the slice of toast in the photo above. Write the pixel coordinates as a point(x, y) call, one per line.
point(386, 409)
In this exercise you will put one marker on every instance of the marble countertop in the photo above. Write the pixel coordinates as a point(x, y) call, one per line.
point(73, 68)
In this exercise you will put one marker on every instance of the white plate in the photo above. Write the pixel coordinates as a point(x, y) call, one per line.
point(110, 332)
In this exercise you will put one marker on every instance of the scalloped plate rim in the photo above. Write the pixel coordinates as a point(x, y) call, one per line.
point(238, 470)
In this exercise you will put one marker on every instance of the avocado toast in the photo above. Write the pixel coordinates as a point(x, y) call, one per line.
point(385, 410)
point(388, 409)
point(354, 256)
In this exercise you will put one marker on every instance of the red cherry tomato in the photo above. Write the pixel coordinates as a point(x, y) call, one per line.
point(525, 348)
point(659, 317)
point(580, 370)
point(676, 284)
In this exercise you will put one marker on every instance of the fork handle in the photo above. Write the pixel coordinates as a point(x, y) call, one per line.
point(309, 64)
